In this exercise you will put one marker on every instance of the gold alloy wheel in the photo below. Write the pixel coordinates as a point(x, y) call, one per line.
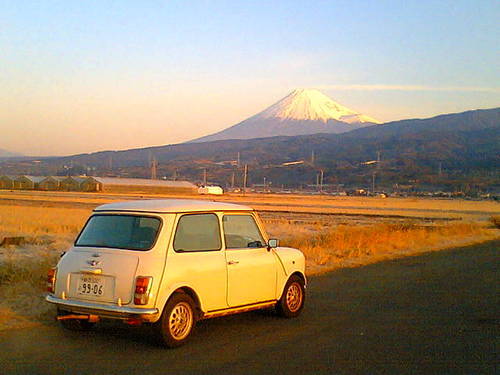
point(294, 297)
point(180, 320)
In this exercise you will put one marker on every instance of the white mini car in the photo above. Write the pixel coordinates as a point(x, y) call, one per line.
point(171, 263)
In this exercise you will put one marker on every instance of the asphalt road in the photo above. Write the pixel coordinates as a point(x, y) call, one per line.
point(431, 314)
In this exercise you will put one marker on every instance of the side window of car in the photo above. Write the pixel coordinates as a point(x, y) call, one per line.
point(241, 231)
point(197, 232)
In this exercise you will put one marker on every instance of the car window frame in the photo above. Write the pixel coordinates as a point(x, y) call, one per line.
point(176, 226)
point(160, 227)
point(257, 224)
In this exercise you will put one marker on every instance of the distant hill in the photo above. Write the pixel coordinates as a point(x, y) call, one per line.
point(452, 150)
point(303, 111)
point(8, 154)
point(432, 133)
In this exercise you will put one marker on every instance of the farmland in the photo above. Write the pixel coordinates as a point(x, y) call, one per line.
point(333, 232)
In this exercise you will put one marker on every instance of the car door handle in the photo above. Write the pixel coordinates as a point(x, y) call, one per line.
point(231, 262)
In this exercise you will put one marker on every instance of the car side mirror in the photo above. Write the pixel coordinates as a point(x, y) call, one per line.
point(272, 243)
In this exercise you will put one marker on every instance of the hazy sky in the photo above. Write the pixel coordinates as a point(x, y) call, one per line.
point(83, 76)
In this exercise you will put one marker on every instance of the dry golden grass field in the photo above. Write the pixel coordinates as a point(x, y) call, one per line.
point(318, 204)
point(332, 232)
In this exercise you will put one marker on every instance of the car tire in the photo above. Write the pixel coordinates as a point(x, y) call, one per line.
point(74, 324)
point(292, 300)
point(177, 321)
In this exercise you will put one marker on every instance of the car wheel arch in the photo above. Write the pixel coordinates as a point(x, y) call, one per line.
point(191, 293)
point(296, 273)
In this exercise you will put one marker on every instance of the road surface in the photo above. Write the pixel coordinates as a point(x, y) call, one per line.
point(431, 314)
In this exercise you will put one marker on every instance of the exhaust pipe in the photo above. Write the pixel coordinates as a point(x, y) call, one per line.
point(90, 318)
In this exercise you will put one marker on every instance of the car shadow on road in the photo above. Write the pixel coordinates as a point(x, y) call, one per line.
point(114, 332)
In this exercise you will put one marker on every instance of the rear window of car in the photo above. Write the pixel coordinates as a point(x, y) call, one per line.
point(131, 232)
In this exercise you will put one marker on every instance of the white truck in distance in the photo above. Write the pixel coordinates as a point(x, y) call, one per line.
point(171, 263)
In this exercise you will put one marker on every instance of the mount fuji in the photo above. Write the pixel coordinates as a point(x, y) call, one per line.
point(303, 111)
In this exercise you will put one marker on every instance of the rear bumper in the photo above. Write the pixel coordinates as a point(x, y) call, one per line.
point(105, 311)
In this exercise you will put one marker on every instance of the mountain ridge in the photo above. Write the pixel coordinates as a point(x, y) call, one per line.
point(387, 129)
point(463, 145)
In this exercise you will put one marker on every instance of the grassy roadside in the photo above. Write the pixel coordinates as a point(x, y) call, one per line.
point(341, 246)
point(22, 290)
point(49, 231)
point(46, 232)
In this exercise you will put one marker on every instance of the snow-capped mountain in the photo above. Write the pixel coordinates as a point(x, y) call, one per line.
point(309, 104)
point(303, 111)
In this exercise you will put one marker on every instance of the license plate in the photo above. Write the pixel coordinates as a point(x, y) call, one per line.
point(90, 286)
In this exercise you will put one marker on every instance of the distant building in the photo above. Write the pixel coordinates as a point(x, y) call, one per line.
point(7, 182)
point(72, 183)
point(27, 182)
point(92, 184)
point(51, 183)
point(212, 190)
point(140, 185)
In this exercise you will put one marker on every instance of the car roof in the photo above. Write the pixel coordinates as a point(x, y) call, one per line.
point(171, 206)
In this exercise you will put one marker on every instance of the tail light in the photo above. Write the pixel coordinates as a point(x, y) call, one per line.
point(142, 289)
point(51, 280)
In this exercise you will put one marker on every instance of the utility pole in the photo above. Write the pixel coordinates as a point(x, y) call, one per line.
point(204, 176)
point(175, 174)
point(440, 169)
point(232, 181)
point(312, 157)
point(377, 169)
point(373, 182)
point(321, 181)
point(264, 182)
point(245, 179)
point(238, 160)
point(154, 168)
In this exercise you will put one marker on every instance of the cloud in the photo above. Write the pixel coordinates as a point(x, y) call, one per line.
point(409, 88)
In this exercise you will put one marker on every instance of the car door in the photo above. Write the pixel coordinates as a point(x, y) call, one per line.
point(251, 268)
point(197, 259)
